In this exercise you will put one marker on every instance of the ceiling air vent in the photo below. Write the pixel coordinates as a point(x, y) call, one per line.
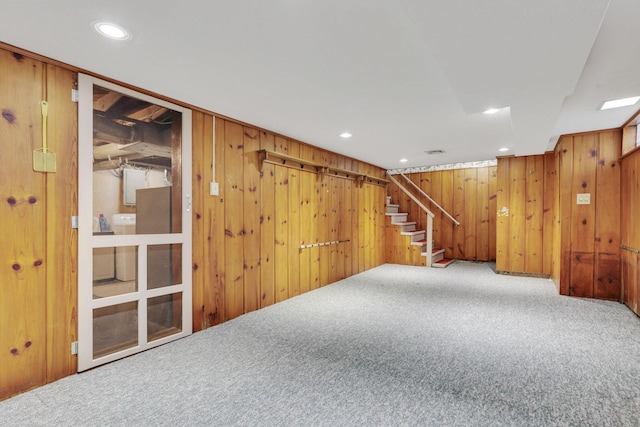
point(435, 151)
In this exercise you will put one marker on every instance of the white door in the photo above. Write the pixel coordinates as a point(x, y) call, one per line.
point(134, 255)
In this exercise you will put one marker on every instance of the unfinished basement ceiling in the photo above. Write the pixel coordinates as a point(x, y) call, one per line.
point(403, 76)
point(129, 132)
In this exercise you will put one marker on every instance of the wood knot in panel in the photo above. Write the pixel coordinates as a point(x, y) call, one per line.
point(17, 56)
point(27, 344)
point(16, 267)
point(32, 200)
point(37, 263)
point(14, 351)
point(12, 200)
point(8, 115)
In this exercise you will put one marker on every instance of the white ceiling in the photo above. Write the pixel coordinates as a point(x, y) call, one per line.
point(404, 76)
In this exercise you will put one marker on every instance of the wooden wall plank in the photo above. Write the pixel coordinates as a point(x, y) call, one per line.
point(348, 227)
point(502, 215)
point(583, 216)
point(267, 225)
point(363, 229)
point(306, 219)
point(470, 213)
point(607, 193)
point(294, 223)
point(234, 220)
point(324, 201)
point(23, 306)
point(566, 200)
point(459, 206)
point(607, 239)
point(482, 209)
point(582, 271)
point(62, 241)
point(198, 226)
point(314, 230)
point(355, 225)
point(281, 255)
point(534, 212)
point(341, 218)
point(549, 201)
point(214, 240)
point(493, 209)
point(252, 207)
point(517, 214)
point(332, 218)
point(607, 276)
point(447, 204)
point(630, 231)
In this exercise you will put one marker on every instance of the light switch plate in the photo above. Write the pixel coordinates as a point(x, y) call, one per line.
point(214, 189)
point(583, 199)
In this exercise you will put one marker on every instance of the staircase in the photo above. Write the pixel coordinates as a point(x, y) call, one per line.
point(417, 237)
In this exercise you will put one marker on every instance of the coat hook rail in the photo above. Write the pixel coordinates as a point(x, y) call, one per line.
point(333, 242)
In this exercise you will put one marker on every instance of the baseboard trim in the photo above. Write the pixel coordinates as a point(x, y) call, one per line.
point(522, 274)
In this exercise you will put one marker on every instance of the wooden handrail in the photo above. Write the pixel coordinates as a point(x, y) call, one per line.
point(455, 221)
point(414, 198)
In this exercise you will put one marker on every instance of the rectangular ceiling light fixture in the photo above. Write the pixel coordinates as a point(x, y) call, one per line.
point(624, 102)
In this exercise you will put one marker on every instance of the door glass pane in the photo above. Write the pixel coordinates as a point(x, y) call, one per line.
point(115, 328)
point(164, 316)
point(114, 271)
point(103, 265)
point(164, 265)
point(136, 158)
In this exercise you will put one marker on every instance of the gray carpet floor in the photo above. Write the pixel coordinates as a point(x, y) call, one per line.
point(394, 346)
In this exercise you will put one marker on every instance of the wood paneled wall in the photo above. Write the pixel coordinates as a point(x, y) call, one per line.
point(630, 230)
point(524, 228)
point(247, 240)
point(588, 250)
point(38, 251)
point(469, 195)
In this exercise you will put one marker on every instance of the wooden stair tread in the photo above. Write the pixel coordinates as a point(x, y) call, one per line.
point(411, 232)
point(434, 251)
point(442, 263)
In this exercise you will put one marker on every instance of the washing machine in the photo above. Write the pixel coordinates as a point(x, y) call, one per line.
point(126, 260)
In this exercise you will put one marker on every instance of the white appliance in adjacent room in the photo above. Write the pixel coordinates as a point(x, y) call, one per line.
point(125, 223)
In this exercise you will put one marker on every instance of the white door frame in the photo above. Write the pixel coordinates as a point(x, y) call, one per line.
point(87, 242)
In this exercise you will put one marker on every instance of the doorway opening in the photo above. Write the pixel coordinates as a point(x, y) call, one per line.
point(134, 274)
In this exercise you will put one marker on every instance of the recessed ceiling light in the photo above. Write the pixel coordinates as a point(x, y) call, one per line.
point(345, 135)
point(624, 102)
point(491, 111)
point(503, 149)
point(404, 160)
point(110, 30)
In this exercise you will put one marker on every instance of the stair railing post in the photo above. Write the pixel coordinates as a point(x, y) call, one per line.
point(429, 236)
